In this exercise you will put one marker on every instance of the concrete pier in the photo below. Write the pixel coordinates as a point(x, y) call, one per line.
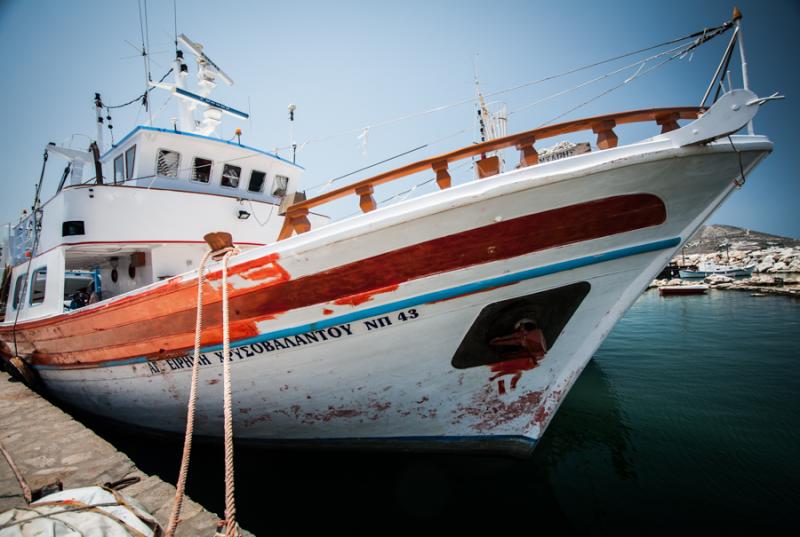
point(46, 445)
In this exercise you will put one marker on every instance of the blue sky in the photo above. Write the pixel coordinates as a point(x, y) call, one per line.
point(347, 65)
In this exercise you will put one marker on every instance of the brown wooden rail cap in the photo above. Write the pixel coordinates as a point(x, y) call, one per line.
point(603, 126)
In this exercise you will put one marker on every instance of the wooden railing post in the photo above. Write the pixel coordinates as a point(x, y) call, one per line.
point(366, 201)
point(487, 166)
point(668, 122)
point(528, 154)
point(442, 175)
point(606, 138)
point(299, 220)
point(296, 220)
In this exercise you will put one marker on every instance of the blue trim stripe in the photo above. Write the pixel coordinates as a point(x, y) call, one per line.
point(170, 131)
point(434, 296)
point(211, 102)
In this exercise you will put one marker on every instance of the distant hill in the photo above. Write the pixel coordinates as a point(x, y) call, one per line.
point(712, 238)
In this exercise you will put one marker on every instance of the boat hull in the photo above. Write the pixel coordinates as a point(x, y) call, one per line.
point(347, 335)
point(678, 290)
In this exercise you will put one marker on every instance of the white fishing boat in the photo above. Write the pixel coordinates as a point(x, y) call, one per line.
point(709, 268)
point(458, 319)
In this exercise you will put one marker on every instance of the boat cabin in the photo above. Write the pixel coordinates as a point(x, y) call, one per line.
point(143, 219)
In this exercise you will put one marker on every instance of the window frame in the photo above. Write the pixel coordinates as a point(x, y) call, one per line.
point(43, 268)
point(285, 186)
point(119, 174)
point(263, 182)
point(210, 169)
point(177, 166)
point(238, 177)
point(129, 166)
point(16, 299)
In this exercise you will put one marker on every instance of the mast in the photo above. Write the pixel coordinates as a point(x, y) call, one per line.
point(98, 107)
point(737, 17)
point(186, 122)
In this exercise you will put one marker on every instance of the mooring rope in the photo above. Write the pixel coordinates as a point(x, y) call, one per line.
point(231, 527)
point(26, 490)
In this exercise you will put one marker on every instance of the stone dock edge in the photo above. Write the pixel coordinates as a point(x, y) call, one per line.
point(47, 444)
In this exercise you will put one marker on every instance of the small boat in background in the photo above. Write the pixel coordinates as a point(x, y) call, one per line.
point(709, 268)
point(675, 290)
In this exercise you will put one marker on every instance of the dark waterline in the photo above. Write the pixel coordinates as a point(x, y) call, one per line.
point(687, 417)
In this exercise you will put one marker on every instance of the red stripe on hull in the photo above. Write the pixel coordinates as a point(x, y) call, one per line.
point(160, 322)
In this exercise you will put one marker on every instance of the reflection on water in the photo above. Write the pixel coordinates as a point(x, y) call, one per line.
point(591, 418)
point(687, 415)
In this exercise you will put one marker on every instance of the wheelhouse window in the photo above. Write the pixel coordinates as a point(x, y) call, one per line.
point(201, 170)
point(256, 181)
point(119, 169)
point(18, 289)
point(280, 185)
point(130, 158)
point(168, 162)
point(38, 286)
point(230, 176)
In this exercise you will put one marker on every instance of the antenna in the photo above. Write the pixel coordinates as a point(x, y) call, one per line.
point(202, 58)
point(207, 73)
point(292, 108)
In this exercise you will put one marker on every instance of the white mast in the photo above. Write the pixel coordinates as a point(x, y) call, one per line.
point(737, 16)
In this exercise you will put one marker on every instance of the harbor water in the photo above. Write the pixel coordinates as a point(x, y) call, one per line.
point(688, 416)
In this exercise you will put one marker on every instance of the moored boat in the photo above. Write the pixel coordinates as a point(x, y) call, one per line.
point(455, 320)
point(707, 268)
point(673, 290)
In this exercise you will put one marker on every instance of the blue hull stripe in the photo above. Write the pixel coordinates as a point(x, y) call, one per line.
point(434, 296)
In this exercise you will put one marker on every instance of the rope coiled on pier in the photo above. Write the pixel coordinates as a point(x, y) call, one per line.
point(231, 527)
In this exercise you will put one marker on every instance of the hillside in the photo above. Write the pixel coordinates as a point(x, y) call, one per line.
point(712, 238)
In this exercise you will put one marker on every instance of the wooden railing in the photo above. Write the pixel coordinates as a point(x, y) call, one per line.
point(603, 126)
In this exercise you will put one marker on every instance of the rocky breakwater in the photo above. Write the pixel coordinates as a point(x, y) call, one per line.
point(758, 285)
point(766, 261)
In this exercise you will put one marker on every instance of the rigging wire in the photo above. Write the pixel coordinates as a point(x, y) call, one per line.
point(140, 96)
point(703, 35)
point(35, 210)
point(604, 76)
point(323, 186)
point(677, 55)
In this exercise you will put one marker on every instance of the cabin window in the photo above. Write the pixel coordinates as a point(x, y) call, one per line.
point(230, 176)
point(18, 288)
point(119, 169)
point(168, 162)
point(256, 181)
point(280, 186)
point(38, 286)
point(130, 157)
point(201, 170)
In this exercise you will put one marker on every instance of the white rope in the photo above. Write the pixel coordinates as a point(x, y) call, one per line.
point(180, 486)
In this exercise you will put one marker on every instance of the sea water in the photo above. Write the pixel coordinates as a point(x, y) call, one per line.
point(687, 418)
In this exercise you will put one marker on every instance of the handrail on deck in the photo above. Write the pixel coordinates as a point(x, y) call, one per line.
point(603, 126)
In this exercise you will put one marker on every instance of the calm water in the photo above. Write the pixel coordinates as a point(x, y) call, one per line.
point(689, 414)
